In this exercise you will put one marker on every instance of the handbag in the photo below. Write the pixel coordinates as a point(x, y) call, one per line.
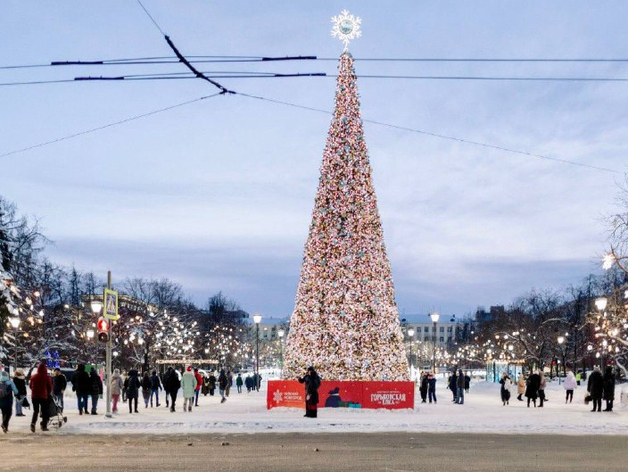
point(587, 399)
point(25, 403)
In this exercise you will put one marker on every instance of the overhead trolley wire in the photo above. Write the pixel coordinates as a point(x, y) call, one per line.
point(200, 59)
point(442, 136)
point(109, 125)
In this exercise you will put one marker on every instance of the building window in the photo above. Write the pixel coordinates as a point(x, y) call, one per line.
point(449, 329)
point(442, 329)
point(449, 339)
point(426, 329)
point(442, 339)
point(426, 339)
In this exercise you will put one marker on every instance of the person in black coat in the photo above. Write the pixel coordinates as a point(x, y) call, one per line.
point(155, 387)
point(96, 392)
point(452, 384)
point(172, 384)
point(59, 384)
point(312, 383)
point(82, 386)
point(595, 387)
point(132, 385)
point(609, 388)
point(19, 380)
point(424, 386)
point(532, 388)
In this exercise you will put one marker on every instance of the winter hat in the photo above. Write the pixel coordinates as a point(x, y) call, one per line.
point(19, 373)
point(189, 369)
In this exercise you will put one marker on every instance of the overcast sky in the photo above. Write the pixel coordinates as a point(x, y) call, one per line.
point(217, 195)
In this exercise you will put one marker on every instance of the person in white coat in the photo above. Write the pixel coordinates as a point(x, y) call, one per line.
point(570, 384)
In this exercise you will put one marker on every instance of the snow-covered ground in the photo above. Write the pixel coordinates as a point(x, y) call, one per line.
point(246, 413)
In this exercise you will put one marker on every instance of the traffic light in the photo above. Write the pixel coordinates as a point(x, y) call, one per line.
point(103, 329)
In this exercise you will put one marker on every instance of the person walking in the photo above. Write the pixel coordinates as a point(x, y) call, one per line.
point(521, 387)
point(229, 383)
point(41, 389)
point(147, 385)
point(59, 384)
point(132, 385)
point(82, 386)
point(199, 384)
point(542, 385)
point(171, 386)
point(116, 385)
point(579, 377)
point(431, 387)
point(452, 384)
point(248, 383)
point(532, 388)
point(155, 387)
point(212, 383)
point(239, 382)
point(460, 384)
point(506, 383)
point(609, 388)
point(188, 385)
point(7, 391)
point(96, 392)
point(222, 385)
point(312, 383)
point(19, 380)
point(595, 387)
point(569, 384)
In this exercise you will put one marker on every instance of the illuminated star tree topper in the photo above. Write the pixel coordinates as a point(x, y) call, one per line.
point(346, 27)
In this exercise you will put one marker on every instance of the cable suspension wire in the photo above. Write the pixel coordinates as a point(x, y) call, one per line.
point(109, 125)
point(151, 18)
point(194, 59)
point(208, 76)
point(443, 136)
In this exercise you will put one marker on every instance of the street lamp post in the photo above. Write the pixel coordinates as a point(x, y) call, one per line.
point(15, 324)
point(96, 306)
point(435, 317)
point(90, 336)
point(257, 319)
point(600, 304)
point(281, 333)
point(561, 340)
point(411, 334)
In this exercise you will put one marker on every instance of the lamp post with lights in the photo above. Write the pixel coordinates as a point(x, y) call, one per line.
point(15, 324)
point(434, 317)
point(257, 319)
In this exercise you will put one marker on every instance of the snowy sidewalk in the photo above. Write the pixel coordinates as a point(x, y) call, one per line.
point(246, 413)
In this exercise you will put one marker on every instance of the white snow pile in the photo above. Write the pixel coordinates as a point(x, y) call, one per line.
point(482, 412)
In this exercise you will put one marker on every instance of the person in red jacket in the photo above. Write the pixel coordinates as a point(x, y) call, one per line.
point(199, 384)
point(41, 389)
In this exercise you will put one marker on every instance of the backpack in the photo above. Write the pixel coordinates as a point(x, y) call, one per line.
point(5, 390)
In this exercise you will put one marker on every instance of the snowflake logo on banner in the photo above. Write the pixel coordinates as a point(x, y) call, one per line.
point(346, 27)
point(277, 396)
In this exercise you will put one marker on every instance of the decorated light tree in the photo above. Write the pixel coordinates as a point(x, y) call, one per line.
point(345, 321)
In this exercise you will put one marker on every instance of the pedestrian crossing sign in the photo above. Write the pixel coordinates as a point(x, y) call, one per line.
point(111, 305)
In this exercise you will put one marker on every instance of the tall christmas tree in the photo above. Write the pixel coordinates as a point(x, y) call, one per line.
point(345, 321)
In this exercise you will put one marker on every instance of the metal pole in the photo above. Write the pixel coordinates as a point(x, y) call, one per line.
point(257, 382)
point(434, 352)
point(15, 344)
point(108, 356)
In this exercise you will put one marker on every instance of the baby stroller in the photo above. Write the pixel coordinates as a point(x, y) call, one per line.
point(55, 413)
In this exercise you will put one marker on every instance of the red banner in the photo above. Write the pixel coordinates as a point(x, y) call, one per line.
point(343, 394)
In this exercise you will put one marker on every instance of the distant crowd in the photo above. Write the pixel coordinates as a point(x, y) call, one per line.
point(47, 391)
